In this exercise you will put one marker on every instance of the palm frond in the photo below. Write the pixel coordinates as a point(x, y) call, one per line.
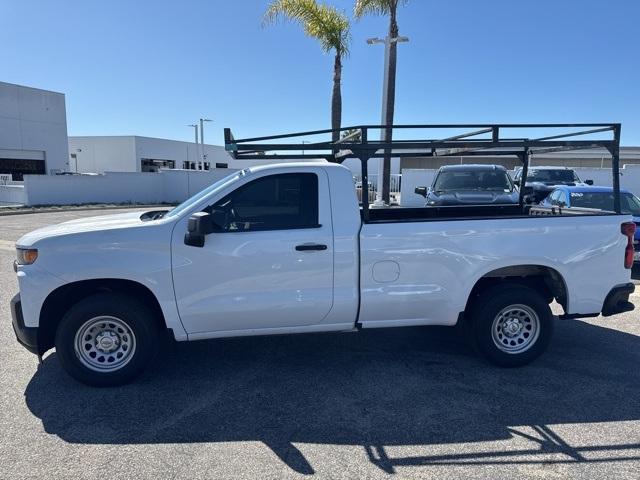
point(376, 7)
point(322, 22)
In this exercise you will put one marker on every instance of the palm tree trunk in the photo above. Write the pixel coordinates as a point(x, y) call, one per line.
point(336, 99)
point(391, 97)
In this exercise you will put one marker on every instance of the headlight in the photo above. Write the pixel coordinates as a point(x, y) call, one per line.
point(26, 256)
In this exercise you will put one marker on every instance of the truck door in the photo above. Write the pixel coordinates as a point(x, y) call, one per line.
point(271, 266)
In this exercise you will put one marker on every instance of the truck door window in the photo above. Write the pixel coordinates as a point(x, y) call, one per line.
point(274, 202)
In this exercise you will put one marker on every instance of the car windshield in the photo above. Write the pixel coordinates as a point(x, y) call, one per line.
point(194, 200)
point(604, 201)
point(492, 180)
point(548, 175)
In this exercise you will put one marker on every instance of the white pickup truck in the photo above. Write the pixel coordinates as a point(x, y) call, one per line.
point(283, 249)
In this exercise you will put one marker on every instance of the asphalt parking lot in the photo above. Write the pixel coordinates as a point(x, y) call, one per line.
point(405, 403)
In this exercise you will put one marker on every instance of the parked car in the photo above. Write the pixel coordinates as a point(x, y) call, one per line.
point(600, 198)
point(470, 185)
point(284, 249)
point(541, 180)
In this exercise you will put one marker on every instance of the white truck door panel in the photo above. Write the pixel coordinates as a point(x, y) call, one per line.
point(245, 278)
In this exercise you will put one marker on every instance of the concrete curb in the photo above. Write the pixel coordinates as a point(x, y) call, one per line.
point(26, 211)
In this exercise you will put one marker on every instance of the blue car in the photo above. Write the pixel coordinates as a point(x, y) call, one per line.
point(600, 198)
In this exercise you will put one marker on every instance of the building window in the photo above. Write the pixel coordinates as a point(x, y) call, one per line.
point(222, 165)
point(19, 168)
point(154, 165)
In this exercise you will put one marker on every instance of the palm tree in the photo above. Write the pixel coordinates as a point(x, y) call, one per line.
point(351, 135)
point(389, 8)
point(327, 25)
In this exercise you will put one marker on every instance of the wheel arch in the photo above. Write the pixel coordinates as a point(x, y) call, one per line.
point(64, 297)
point(543, 278)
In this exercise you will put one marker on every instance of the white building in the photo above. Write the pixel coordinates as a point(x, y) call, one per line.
point(99, 154)
point(33, 131)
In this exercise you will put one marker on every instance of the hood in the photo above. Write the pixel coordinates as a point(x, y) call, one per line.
point(551, 185)
point(472, 198)
point(91, 224)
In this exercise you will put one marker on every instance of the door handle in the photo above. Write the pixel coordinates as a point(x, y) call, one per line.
point(310, 246)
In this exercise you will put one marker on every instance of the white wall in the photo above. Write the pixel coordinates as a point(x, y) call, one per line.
point(35, 121)
point(170, 186)
point(173, 186)
point(100, 154)
point(109, 188)
point(412, 178)
point(12, 195)
point(629, 178)
point(355, 165)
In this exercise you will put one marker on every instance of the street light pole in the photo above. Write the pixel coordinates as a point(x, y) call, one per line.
point(387, 41)
point(195, 129)
point(202, 120)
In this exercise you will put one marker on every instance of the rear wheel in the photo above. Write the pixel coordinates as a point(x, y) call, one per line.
point(106, 339)
point(511, 325)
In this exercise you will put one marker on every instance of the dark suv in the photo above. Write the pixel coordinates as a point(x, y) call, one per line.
point(470, 185)
point(542, 180)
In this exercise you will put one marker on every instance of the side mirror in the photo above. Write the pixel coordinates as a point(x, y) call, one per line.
point(421, 191)
point(200, 224)
point(589, 182)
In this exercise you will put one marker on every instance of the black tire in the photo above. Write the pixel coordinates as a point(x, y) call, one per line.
point(133, 325)
point(526, 303)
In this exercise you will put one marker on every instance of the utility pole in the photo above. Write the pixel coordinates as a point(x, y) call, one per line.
point(387, 41)
point(204, 155)
point(195, 128)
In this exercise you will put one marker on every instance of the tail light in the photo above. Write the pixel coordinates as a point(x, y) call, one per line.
point(628, 229)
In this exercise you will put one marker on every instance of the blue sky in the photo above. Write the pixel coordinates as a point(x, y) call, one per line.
point(151, 67)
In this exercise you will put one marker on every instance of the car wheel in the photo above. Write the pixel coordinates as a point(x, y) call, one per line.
point(107, 339)
point(511, 324)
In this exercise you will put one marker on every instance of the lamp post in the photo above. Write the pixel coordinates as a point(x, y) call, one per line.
point(204, 156)
point(387, 41)
point(195, 129)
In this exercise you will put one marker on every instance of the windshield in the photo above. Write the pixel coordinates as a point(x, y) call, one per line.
point(489, 180)
point(604, 201)
point(194, 200)
point(555, 176)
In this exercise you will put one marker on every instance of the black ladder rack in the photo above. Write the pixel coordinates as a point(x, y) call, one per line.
point(473, 140)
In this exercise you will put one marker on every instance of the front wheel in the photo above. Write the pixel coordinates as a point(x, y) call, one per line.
point(106, 339)
point(511, 324)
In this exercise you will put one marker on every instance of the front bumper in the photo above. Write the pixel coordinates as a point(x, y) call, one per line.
point(618, 300)
point(26, 336)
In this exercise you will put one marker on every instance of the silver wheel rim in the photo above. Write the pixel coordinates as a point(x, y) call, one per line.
point(515, 328)
point(105, 344)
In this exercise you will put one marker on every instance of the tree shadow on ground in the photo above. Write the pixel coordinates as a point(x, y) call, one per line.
point(413, 386)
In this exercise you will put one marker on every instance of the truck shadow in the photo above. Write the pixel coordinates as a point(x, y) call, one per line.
point(415, 386)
